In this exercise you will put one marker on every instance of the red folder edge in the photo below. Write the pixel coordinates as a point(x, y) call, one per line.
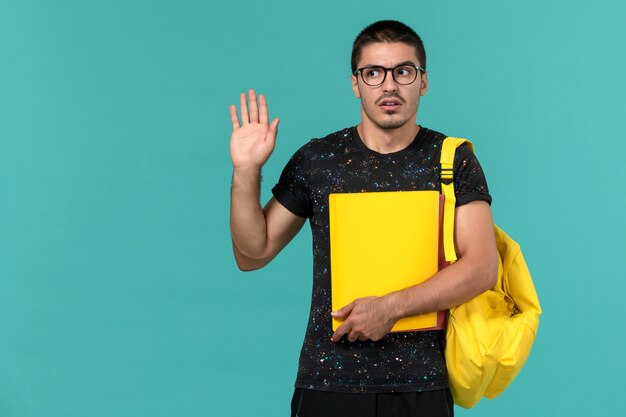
point(442, 316)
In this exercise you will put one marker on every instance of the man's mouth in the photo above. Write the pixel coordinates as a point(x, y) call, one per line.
point(390, 104)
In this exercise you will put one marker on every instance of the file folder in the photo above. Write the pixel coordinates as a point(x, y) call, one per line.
point(382, 242)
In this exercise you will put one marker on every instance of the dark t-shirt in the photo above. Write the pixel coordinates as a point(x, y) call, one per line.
point(341, 163)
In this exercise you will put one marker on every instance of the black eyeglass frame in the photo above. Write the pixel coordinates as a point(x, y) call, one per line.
point(418, 68)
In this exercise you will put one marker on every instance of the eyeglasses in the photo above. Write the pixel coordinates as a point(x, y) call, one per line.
point(402, 74)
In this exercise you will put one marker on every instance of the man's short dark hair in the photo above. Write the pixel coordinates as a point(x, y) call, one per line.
point(387, 31)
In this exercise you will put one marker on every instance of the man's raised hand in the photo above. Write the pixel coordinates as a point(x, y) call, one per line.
point(252, 141)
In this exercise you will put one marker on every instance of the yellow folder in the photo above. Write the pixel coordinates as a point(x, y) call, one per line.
point(382, 242)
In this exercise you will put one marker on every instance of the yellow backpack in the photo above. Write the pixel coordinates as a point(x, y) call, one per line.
point(488, 338)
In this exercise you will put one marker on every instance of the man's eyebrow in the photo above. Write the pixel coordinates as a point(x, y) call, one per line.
point(397, 65)
point(408, 63)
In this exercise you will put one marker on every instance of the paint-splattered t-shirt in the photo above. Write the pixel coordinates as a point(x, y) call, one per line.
point(341, 163)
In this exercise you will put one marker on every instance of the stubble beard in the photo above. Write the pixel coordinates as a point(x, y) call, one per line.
point(385, 122)
point(388, 123)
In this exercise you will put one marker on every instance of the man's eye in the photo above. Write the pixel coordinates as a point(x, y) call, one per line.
point(404, 71)
point(373, 73)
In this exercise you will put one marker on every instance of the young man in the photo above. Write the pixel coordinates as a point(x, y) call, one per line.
point(362, 369)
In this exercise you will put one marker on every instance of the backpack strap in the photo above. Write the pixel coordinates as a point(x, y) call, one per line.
point(448, 150)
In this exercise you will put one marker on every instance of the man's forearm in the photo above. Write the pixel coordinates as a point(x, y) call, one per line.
point(452, 286)
point(247, 220)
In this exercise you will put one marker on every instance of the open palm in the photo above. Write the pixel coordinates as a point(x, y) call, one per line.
point(252, 141)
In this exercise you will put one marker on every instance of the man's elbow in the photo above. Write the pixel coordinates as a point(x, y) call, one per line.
point(247, 268)
point(247, 264)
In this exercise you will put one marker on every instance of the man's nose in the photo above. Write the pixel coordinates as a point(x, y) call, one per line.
point(389, 84)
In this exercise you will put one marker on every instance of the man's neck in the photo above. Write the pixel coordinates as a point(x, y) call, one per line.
point(387, 140)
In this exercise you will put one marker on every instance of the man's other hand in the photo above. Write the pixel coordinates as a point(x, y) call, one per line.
point(369, 318)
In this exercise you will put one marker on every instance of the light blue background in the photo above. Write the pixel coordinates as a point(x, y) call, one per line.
point(119, 295)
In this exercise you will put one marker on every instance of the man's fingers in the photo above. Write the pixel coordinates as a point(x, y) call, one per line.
point(244, 109)
point(263, 116)
point(233, 117)
point(254, 110)
point(352, 337)
point(343, 312)
point(341, 330)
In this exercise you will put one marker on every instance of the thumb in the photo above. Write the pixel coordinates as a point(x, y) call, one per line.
point(343, 312)
point(274, 128)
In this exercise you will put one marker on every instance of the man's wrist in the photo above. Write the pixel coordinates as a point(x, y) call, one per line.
point(397, 305)
point(246, 175)
point(250, 170)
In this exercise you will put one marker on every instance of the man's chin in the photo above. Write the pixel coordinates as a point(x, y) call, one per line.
point(387, 120)
point(391, 124)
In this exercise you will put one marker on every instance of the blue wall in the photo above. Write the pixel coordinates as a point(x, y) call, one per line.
point(119, 295)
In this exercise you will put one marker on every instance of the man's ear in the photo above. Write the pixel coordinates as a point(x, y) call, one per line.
point(424, 87)
point(355, 87)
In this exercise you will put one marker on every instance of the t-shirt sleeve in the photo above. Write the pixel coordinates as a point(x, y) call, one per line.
point(293, 187)
point(469, 179)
